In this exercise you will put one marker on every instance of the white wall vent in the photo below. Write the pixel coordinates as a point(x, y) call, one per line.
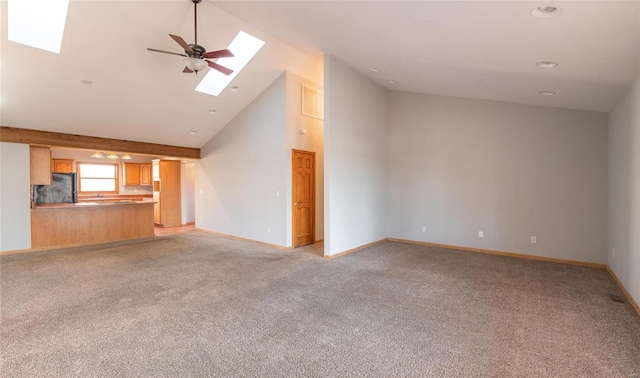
point(312, 102)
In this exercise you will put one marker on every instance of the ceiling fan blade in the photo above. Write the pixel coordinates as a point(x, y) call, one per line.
point(187, 70)
point(181, 42)
point(218, 54)
point(165, 52)
point(220, 68)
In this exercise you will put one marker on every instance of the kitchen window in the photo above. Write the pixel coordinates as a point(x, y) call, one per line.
point(98, 178)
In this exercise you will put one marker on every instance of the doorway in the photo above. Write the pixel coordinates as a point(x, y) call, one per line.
point(303, 197)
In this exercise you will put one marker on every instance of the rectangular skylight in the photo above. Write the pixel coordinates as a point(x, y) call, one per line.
point(244, 47)
point(37, 23)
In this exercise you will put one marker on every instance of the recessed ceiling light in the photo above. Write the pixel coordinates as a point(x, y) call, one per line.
point(546, 12)
point(374, 69)
point(234, 88)
point(192, 132)
point(547, 93)
point(547, 64)
point(88, 82)
point(212, 111)
point(392, 81)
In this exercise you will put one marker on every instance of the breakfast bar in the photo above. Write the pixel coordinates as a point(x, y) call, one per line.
point(69, 224)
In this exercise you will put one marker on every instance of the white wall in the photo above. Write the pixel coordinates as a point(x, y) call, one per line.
point(188, 191)
point(355, 159)
point(460, 166)
point(241, 170)
point(311, 140)
point(624, 190)
point(15, 207)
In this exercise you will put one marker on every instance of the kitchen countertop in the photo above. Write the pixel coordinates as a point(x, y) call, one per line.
point(88, 204)
point(116, 197)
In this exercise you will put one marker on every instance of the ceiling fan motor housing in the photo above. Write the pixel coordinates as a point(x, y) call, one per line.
point(197, 51)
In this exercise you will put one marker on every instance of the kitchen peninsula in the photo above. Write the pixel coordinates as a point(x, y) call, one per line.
point(68, 224)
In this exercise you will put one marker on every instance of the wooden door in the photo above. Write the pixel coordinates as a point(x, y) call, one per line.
point(304, 190)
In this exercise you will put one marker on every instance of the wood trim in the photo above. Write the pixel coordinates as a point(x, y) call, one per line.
point(633, 303)
point(501, 253)
point(47, 138)
point(189, 224)
point(331, 257)
point(244, 239)
point(318, 241)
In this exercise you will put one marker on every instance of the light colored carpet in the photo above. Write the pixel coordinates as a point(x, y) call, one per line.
point(200, 305)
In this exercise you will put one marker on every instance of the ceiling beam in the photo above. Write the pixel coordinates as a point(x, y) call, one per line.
point(47, 138)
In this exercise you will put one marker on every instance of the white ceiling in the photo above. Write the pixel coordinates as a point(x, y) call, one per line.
point(479, 49)
point(474, 49)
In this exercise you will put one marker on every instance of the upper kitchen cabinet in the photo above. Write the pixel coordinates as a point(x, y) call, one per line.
point(137, 174)
point(62, 165)
point(145, 174)
point(40, 164)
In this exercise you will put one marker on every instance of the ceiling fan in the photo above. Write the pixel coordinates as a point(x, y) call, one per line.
point(196, 55)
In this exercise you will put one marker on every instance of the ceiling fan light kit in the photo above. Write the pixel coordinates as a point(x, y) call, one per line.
point(195, 64)
point(195, 55)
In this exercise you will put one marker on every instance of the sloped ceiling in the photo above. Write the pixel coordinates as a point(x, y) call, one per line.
point(136, 94)
point(473, 49)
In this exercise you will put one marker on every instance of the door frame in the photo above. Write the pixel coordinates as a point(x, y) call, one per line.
point(293, 200)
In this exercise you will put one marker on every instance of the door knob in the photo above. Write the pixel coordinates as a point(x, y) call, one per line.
point(295, 204)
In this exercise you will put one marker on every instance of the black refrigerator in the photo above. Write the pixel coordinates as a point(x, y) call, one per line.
point(63, 189)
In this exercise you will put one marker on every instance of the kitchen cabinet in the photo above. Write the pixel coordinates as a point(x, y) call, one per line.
point(79, 224)
point(145, 174)
point(167, 194)
point(40, 165)
point(62, 165)
point(138, 174)
point(131, 173)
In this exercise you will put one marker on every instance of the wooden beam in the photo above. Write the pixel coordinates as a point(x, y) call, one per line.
point(47, 138)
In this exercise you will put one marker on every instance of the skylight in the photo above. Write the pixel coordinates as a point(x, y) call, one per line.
point(37, 23)
point(244, 47)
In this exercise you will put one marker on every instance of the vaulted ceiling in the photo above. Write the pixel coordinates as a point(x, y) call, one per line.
point(470, 49)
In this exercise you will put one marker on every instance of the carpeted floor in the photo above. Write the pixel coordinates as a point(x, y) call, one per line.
point(200, 305)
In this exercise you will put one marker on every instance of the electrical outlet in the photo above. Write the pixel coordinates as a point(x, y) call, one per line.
point(268, 230)
point(614, 253)
point(200, 191)
point(228, 223)
point(424, 228)
point(277, 193)
point(480, 234)
point(534, 240)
